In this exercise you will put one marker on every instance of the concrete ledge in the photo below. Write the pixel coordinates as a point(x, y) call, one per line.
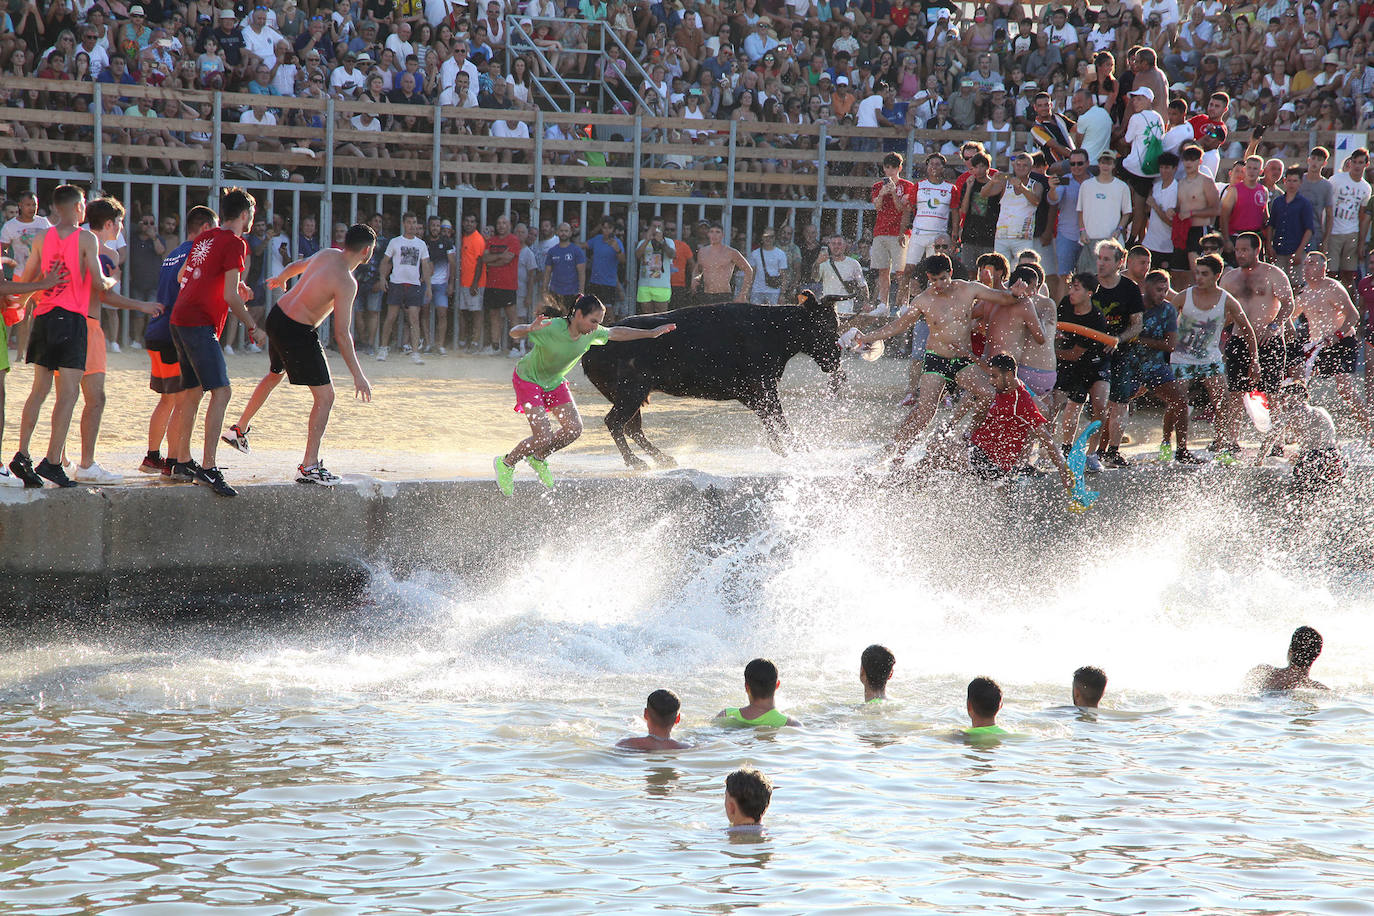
point(179, 549)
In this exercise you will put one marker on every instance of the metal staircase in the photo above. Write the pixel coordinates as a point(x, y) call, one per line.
point(566, 92)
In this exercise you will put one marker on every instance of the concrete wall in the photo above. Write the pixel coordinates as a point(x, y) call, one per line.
point(171, 549)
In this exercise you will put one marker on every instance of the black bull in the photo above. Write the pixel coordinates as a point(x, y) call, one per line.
point(731, 352)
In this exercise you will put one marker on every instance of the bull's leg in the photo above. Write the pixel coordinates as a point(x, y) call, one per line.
point(766, 404)
point(616, 420)
point(635, 427)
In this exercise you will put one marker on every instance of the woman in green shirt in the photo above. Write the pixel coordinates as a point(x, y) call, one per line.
point(541, 387)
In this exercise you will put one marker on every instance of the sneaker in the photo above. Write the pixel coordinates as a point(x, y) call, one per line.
point(97, 475)
point(135, 345)
point(254, 348)
point(541, 469)
point(416, 359)
point(1093, 465)
point(1166, 452)
point(381, 354)
point(442, 351)
point(491, 351)
point(54, 474)
point(167, 470)
point(879, 310)
point(153, 465)
point(183, 472)
point(228, 350)
point(1183, 456)
point(22, 467)
point(114, 346)
point(238, 438)
point(317, 474)
point(9, 480)
point(514, 353)
point(909, 400)
point(1114, 459)
point(505, 475)
point(214, 479)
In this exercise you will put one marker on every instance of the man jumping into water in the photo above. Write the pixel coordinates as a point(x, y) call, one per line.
point(541, 387)
point(950, 308)
point(326, 287)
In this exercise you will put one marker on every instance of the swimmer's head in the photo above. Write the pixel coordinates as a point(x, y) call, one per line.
point(1304, 648)
point(1002, 368)
point(664, 708)
point(875, 667)
point(1089, 684)
point(747, 794)
point(984, 698)
point(761, 679)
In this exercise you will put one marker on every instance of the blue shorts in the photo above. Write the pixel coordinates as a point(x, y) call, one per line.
point(440, 294)
point(405, 295)
point(1066, 255)
point(370, 301)
point(1125, 377)
point(200, 357)
point(1152, 376)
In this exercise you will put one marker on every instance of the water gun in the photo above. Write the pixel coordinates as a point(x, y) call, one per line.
point(1082, 497)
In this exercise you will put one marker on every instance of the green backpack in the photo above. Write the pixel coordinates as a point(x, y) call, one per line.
point(1154, 147)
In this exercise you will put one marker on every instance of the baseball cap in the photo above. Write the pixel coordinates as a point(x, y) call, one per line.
point(227, 14)
point(1144, 92)
point(841, 81)
point(1030, 86)
point(136, 10)
point(446, 224)
point(1289, 107)
point(823, 76)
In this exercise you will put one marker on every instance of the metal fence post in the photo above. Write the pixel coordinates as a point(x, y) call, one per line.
point(728, 216)
point(822, 165)
point(329, 147)
point(632, 221)
point(434, 163)
point(98, 167)
point(217, 154)
point(538, 165)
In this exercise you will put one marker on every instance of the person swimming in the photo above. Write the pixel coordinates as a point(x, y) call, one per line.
point(760, 685)
point(875, 670)
point(984, 702)
point(747, 796)
point(1303, 650)
point(661, 712)
point(1089, 684)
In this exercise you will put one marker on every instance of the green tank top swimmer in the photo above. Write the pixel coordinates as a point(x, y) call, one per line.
point(771, 719)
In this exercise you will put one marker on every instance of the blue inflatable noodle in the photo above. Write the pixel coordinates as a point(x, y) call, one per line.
point(1082, 497)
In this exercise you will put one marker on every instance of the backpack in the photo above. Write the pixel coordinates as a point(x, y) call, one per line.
point(1154, 147)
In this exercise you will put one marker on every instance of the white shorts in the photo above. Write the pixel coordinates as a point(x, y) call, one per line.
point(1011, 248)
point(887, 252)
point(918, 246)
point(468, 302)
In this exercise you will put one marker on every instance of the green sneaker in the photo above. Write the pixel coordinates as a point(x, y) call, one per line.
point(1166, 452)
point(541, 468)
point(505, 475)
point(1225, 458)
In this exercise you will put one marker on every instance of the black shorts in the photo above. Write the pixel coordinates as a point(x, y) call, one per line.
point(1140, 185)
point(57, 340)
point(1169, 260)
point(983, 467)
point(1195, 234)
point(294, 348)
point(1273, 360)
point(680, 298)
point(1075, 379)
point(494, 300)
point(1336, 358)
point(200, 356)
point(603, 291)
point(165, 372)
point(405, 295)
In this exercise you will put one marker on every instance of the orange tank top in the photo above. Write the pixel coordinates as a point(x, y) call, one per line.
point(75, 294)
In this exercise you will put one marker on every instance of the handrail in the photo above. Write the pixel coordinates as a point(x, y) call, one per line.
point(609, 32)
point(513, 29)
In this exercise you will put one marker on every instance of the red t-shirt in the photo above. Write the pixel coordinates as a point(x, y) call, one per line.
point(213, 254)
point(1003, 435)
point(1200, 123)
point(889, 219)
point(1365, 289)
point(506, 276)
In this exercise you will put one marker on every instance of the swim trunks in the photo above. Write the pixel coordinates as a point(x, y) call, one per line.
point(95, 347)
point(771, 719)
point(947, 367)
point(528, 394)
point(1200, 372)
point(294, 348)
point(1336, 358)
point(983, 467)
point(165, 374)
point(1273, 357)
point(57, 340)
point(1075, 379)
point(1039, 381)
point(1124, 379)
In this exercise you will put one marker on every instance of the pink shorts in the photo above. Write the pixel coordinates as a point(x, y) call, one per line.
point(530, 394)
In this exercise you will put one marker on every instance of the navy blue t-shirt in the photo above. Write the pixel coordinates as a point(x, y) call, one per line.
point(563, 262)
point(159, 330)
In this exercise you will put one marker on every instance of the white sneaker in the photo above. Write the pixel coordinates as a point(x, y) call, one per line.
point(514, 353)
point(254, 348)
point(318, 475)
point(97, 475)
point(491, 351)
point(879, 310)
point(1093, 465)
point(228, 350)
point(135, 345)
point(381, 354)
point(443, 352)
point(9, 480)
point(415, 358)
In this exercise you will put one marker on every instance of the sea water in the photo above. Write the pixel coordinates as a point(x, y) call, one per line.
point(445, 746)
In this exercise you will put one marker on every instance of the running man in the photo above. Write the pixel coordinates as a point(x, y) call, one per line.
point(164, 370)
point(716, 266)
point(326, 287)
point(950, 308)
point(1333, 327)
point(541, 387)
point(211, 287)
point(1266, 297)
point(57, 335)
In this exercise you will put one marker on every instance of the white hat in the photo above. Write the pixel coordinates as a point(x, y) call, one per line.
point(136, 10)
point(1144, 91)
point(1288, 107)
point(227, 14)
point(841, 81)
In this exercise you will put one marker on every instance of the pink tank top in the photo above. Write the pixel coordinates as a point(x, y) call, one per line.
point(1248, 213)
point(75, 294)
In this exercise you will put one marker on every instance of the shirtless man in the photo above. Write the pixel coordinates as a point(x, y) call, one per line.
point(1303, 650)
point(661, 713)
point(1333, 327)
point(1026, 332)
point(950, 308)
point(1318, 463)
point(1198, 199)
point(716, 266)
point(1266, 297)
point(327, 286)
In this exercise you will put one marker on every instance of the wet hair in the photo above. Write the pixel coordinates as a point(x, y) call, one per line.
point(103, 212)
point(1086, 280)
point(235, 203)
point(1091, 683)
point(938, 264)
point(877, 662)
point(359, 237)
point(64, 195)
point(1252, 238)
point(1212, 262)
point(197, 219)
point(1003, 362)
point(761, 677)
point(664, 707)
point(1169, 159)
point(893, 160)
point(984, 697)
point(1305, 646)
point(751, 790)
point(1032, 274)
point(996, 261)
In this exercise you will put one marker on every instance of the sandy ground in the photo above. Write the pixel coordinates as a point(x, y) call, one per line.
point(449, 417)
